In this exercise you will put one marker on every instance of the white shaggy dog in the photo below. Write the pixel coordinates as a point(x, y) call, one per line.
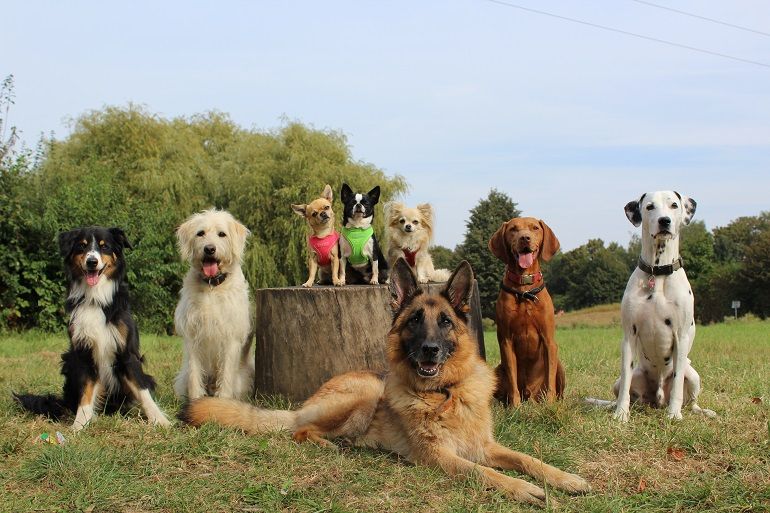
point(657, 314)
point(409, 234)
point(214, 313)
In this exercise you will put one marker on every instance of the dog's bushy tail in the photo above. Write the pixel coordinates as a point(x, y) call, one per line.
point(49, 405)
point(237, 414)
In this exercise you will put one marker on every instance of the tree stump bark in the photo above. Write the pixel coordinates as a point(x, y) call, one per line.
point(304, 336)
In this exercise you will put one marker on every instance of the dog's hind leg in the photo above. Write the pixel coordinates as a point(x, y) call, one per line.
point(692, 389)
point(502, 457)
point(139, 385)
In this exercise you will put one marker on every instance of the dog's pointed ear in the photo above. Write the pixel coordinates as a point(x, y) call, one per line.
point(498, 246)
point(120, 236)
point(327, 193)
point(459, 288)
point(300, 210)
point(689, 206)
point(345, 193)
point(426, 211)
point(66, 241)
point(403, 285)
point(374, 194)
point(550, 243)
point(634, 212)
point(392, 210)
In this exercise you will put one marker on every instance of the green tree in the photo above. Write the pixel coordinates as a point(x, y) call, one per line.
point(486, 217)
point(696, 246)
point(444, 258)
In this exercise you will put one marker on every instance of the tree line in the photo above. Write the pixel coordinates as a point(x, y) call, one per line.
point(129, 168)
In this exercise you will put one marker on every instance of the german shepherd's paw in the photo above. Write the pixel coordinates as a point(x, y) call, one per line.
point(524, 491)
point(573, 483)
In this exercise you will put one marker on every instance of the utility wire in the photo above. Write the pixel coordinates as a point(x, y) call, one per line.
point(703, 18)
point(627, 33)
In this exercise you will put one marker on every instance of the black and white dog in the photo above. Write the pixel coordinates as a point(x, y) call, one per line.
point(103, 365)
point(361, 258)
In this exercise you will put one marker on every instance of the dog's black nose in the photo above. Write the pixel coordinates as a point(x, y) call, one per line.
point(664, 222)
point(91, 262)
point(209, 249)
point(408, 228)
point(324, 215)
point(430, 350)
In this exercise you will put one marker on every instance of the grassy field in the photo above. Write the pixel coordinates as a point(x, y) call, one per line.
point(651, 465)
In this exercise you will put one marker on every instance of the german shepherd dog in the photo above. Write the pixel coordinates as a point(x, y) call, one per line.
point(433, 406)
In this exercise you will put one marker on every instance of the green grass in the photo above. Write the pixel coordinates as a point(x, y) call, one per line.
point(121, 464)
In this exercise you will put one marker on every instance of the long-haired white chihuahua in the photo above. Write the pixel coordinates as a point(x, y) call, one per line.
point(214, 313)
point(409, 234)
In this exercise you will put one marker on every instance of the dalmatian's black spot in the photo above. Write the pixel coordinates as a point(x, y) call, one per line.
point(668, 322)
point(689, 292)
point(657, 260)
point(649, 297)
point(634, 326)
point(667, 359)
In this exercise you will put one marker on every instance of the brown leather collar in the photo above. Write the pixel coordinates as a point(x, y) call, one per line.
point(660, 270)
point(522, 279)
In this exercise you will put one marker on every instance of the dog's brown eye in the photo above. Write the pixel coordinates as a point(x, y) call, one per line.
point(402, 221)
point(445, 321)
point(650, 207)
point(674, 205)
point(415, 222)
point(201, 233)
point(315, 214)
point(326, 207)
point(535, 228)
point(222, 234)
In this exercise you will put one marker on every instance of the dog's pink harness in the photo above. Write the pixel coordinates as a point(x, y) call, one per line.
point(322, 246)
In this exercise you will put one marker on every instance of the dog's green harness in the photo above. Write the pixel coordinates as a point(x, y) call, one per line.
point(357, 238)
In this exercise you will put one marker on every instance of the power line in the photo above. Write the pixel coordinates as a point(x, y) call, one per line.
point(627, 33)
point(739, 27)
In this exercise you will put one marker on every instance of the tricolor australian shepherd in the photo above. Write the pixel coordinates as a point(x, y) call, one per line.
point(103, 366)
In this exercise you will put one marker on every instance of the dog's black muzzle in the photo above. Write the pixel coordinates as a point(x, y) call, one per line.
point(91, 263)
point(430, 357)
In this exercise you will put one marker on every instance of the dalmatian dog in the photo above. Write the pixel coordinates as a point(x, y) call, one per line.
point(657, 314)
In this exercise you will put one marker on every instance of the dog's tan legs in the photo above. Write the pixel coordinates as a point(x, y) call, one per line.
point(502, 457)
point(91, 396)
point(375, 273)
point(148, 404)
point(336, 279)
point(518, 489)
point(624, 386)
point(509, 367)
point(552, 362)
point(343, 264)
point(195, 385)
point(312, 267)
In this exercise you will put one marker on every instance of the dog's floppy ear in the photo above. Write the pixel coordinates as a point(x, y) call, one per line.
point(498, 246)
point(689, 206)
point(403, 285)
point(327, 193)
point(300, 210)
point(459, 288)
point(634, 212)
point(66, 241)
point(550, 243)
point(345, 193)
point(185, 236)
point(120, 237)
point(238, 235)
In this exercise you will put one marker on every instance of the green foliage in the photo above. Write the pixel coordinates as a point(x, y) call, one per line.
point(444, 258)
point(125, 167)
point(485, 219)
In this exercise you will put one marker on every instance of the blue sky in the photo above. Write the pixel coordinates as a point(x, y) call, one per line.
point(457, 96)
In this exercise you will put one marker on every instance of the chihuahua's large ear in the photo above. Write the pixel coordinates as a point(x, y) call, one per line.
point(345, 193)
point(689, 205)
point(120, 236)
point(327, 193)
point(374, 194)
point(426, 211)
point(459, 288)
point(633, 211)
point(392, 211)
point(67, 241)
point(300, 210)
point(403, 286)
point(550, 244)
point(498, 246)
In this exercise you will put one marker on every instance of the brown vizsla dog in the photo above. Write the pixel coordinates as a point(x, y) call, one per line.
point(530, 366)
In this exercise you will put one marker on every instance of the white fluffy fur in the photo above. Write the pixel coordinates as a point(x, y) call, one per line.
point(214, 321)
point(420, 219)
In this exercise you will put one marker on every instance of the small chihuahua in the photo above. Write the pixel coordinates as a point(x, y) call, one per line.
point(324, 250)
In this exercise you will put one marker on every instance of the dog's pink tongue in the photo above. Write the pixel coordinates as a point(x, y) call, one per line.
point(92, 278)
point(526, 259)
point(210, 269)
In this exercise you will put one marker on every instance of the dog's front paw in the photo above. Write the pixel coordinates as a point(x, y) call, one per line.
point(422, 279)
point(573, 483)
point(161, 421)
point(308, 284)
point(338, 282)
point(621, 415)
point(374, 281)
point(674, 414)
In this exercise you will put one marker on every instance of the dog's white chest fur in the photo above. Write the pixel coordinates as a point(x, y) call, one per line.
point(89, 328)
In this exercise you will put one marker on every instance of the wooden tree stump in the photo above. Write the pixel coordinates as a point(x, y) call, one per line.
point(307, 335)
